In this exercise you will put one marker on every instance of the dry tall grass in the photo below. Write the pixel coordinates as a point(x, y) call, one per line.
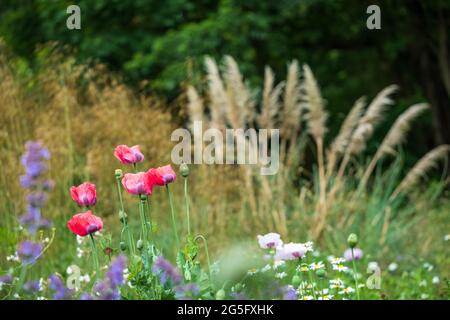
point(274, 202)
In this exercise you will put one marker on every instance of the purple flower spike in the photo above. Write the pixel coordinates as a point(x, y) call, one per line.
point(186, 291)
point(108, 288)
point(60, 291)
point(289, 293)
point(31, 286)
point(167, 271)
point(6, 279)
point(34, 164)
point(29, 251)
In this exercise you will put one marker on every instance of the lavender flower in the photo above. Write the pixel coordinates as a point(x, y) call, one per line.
point(60, 291)
point(289, 293)
point(166, 271)
point(108, 288)
point(6, 279)
point(358, 253)
point(86, 296)
point(32, 286)
point(29, 251)
point(34, 164)
point(186, 291)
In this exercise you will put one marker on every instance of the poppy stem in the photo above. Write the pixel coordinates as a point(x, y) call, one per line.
point(174, 225)
point(142, 199)
point(355, 274)
point(131, 247)
point(186, 198)
point(95, 257)
point(148, 217)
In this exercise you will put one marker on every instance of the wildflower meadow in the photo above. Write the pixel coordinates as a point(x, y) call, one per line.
point(230, 182)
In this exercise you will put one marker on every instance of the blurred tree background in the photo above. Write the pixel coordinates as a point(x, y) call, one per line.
point(165, 42)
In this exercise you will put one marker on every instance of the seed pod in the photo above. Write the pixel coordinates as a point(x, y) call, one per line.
point(123, 216)
point(352, 240)
point(118, 173)
point(184, 170)
point(320, 273)
point(140, 244)
point(123, 246)
point(220, 295)
point(295, 281)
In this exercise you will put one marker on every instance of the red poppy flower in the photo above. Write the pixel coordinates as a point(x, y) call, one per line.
point(139, 183)
point(128, 155)
point(85, 223)
point(85, 194)
point(164, 175)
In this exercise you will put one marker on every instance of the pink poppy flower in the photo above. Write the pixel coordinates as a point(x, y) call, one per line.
point(164, 175)
point(358, 253)
point(139, 183)
point(270, 240)
point(85, 194)
point(85, 223)
point(290, 251)
point(128, 155)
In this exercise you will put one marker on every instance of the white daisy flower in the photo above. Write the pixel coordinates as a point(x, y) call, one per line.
point(252, 271)
point(339, 267)
point(307, 298)
point(316, 265)
point(336, 283)
point(302, 268)
point(338, 260)
point(326, 297)
point(435, 280)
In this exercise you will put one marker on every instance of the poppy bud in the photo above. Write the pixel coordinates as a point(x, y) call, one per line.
point(123, 246)
point(220, 295)
point(184, 170)
point(352, 240)
point(118, 173)
point(140, 244)
point(295, 281)
point(320, 273)
point(123, 216)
